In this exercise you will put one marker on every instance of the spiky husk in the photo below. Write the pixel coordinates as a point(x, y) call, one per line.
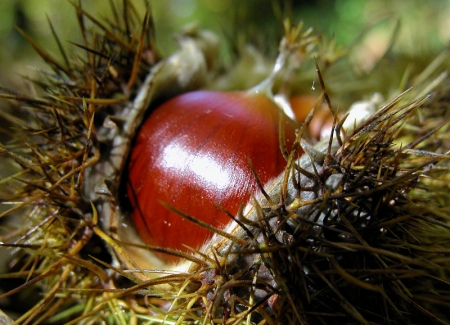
point(370, 246)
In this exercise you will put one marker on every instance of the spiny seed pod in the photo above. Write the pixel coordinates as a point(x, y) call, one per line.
point(354, 231)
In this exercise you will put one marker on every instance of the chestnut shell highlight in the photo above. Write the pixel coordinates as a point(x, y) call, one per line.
point(195, 152)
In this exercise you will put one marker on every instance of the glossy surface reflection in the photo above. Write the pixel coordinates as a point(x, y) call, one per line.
point(193, 153)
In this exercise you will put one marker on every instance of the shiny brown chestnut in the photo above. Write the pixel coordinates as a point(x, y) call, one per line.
point(322, 121)
point(195, 153)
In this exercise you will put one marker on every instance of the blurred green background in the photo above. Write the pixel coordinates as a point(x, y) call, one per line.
point(425, 26)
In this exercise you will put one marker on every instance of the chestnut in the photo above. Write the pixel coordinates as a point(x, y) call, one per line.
point(322, 121)
point(195, 153)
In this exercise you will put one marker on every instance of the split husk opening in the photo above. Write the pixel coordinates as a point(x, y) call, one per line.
point(355, 232)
